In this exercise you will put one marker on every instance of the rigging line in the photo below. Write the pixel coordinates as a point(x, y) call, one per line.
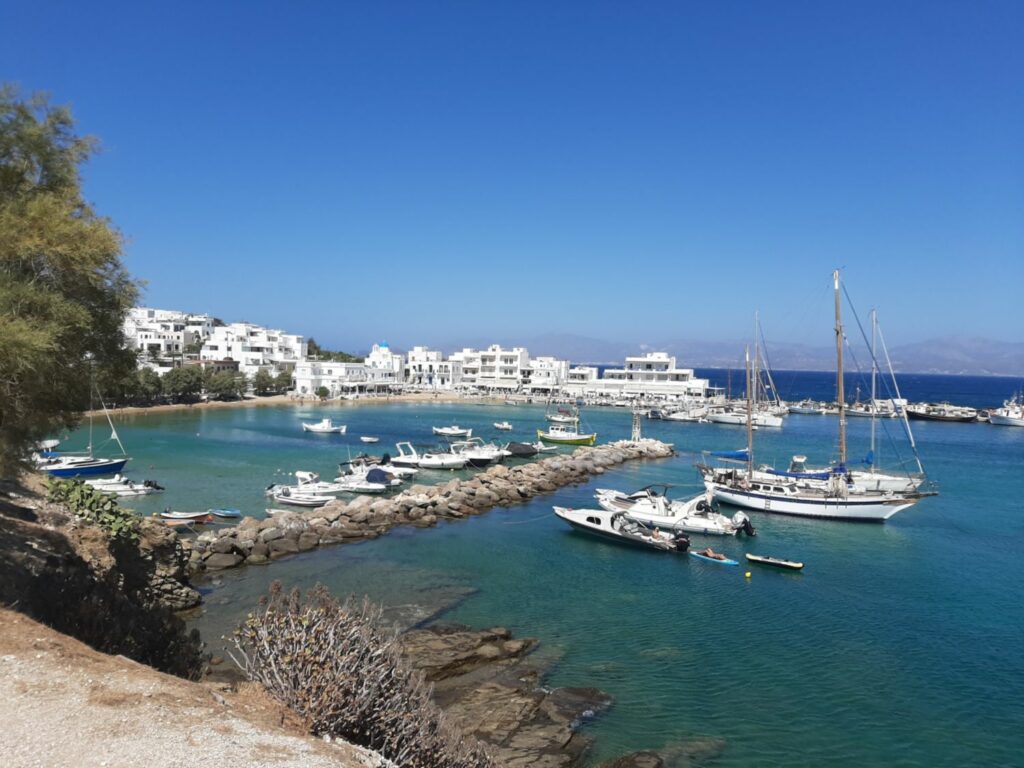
point(531, 520)
point(885, 428)
point(904, 420)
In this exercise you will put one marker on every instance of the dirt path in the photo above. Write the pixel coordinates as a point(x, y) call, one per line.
point(64, 704)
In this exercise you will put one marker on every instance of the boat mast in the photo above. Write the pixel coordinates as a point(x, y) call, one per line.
point(755, 380)
point(92, 386)
point(750, 420)
point(840, 392)
point(874, 377)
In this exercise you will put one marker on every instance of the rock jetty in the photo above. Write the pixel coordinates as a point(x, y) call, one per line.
point(256, 541)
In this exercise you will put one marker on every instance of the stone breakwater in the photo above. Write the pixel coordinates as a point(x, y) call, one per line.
point(256, 541)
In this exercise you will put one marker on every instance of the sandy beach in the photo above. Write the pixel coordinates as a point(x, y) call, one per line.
point(257, 402)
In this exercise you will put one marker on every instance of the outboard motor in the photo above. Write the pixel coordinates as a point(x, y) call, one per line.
point(742, 522)
point(681, 541)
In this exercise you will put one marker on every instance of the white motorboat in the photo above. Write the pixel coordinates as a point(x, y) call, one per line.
point(692, 414)
point(543, 447)
point(1010, 415)
point(365, 479)
point(297, 499)
point(739, 418)
point(809, 408)
point(652, 505)
point(504, 426)
point(369, 439)
point(119, 485)
point(409, 457)
point(324, 427)
point(307, 483)
point(623, 528)
point(453, 431)
point(477, 453)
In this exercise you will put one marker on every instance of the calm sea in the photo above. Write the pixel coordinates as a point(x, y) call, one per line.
point(900, 644)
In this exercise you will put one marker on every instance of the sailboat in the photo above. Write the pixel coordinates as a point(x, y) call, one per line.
point(84, 464)
point(761, 414)
point(826, 495)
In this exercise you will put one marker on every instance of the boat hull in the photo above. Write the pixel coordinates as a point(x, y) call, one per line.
point(1005, 421)
point(850, 509)
point(98, 467)
point(563, 440)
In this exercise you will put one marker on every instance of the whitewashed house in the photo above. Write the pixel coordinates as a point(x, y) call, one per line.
point(427, 369)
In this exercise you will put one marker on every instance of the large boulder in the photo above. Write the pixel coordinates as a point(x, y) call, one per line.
point(220, 560)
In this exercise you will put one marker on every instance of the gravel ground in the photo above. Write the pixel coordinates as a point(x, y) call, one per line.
point(64, 704)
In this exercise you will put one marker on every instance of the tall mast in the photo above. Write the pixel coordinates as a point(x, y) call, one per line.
point(755, 379)
point(874, 377)
point(750, 419)
point(840, 391)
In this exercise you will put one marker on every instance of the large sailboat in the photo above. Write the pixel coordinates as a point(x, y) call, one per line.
point(828, 494)
point(83, 464)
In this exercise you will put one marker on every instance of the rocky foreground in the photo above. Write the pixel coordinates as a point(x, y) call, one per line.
point(255, 541)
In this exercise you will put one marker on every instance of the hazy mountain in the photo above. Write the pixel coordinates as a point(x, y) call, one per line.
point(950, 355)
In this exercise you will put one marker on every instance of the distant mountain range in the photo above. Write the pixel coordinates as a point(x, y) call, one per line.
point(948, 355)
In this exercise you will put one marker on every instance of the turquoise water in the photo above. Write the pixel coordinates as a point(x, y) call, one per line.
point(900, 644)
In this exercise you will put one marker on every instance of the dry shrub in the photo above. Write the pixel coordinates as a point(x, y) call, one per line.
point(340, 668)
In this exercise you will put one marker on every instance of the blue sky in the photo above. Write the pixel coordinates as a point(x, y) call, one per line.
point(438, 171)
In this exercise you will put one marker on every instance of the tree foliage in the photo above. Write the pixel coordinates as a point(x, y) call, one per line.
point(63, 289)
point(283, 381)
point(227, 385)
point(315, 350)
point(183, 383)
point(263, 383)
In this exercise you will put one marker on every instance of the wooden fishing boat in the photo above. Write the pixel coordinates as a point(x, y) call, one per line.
point(168, 514)
point(562, 435)
point(776, 562)
point(225, 513)
point(369, 439)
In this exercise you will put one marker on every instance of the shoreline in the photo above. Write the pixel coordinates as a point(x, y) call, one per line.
point(272, 400)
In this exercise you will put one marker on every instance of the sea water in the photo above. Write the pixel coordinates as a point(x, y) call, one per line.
point(899, 644)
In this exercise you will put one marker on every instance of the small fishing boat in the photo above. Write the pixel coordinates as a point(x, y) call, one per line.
point(306, 483)
point(775, 561)
point(295, 499)
point(941, 412)
point(225, 513)
point(369, 439)
point(169, 514)
point(187, 524)
point(453, 431)
point(544, 448)
point(710, 556)
point(620, 527)
point(1010, 415)
point(561, 434)
point(272, 511)
point(809, 408)
point(324, 427)
point(504, 426)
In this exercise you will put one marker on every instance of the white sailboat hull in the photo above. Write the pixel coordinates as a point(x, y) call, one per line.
point(872, 509)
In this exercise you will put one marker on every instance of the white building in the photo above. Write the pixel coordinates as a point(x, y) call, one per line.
point(337, 378)
point(385, 366)
point(254, 347)
point(546, 374)
point(494, 368)
point(653, 374)
point(161, 335)
point(427, 369)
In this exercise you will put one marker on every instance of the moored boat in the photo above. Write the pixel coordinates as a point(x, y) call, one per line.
point(561, 434)
point(369, 439)
point(453, 431)
point(324, 427)
point(651, 505)
point(504, 426)
point(296, 499)
point(941, 412)
point(1010, 415)
point(775, 562)
point(622, 528)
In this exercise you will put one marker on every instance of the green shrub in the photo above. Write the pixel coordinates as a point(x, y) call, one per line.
point(100, 509)
point(339, 668)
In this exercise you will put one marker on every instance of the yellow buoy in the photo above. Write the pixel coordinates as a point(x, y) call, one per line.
point(748, 574)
